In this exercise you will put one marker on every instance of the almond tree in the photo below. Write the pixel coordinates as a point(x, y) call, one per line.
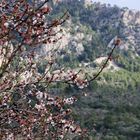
point(27, 109)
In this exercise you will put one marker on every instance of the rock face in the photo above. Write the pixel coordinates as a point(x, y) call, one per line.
point(131, 28)
point(105, 21)
point(111, 21)
point(72, 41)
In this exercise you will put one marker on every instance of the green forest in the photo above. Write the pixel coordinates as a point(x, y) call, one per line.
point(109, 107)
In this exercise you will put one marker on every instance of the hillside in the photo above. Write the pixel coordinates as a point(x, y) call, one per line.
point(88, 34)
point(109, 108)
point(106, 20)
point(92, 26)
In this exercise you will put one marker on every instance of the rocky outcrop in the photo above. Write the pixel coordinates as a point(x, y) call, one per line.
point(131, 28)
point(72, 41)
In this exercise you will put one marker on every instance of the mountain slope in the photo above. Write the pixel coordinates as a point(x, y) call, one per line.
point(110, 106)
point(106, 21)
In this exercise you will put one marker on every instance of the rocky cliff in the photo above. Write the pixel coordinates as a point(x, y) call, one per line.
point(93, 25)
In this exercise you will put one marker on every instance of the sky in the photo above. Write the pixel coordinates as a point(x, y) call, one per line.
point(132, 4)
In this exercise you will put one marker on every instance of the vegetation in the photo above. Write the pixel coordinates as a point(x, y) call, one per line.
point(108, 107)
point(37, 91)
